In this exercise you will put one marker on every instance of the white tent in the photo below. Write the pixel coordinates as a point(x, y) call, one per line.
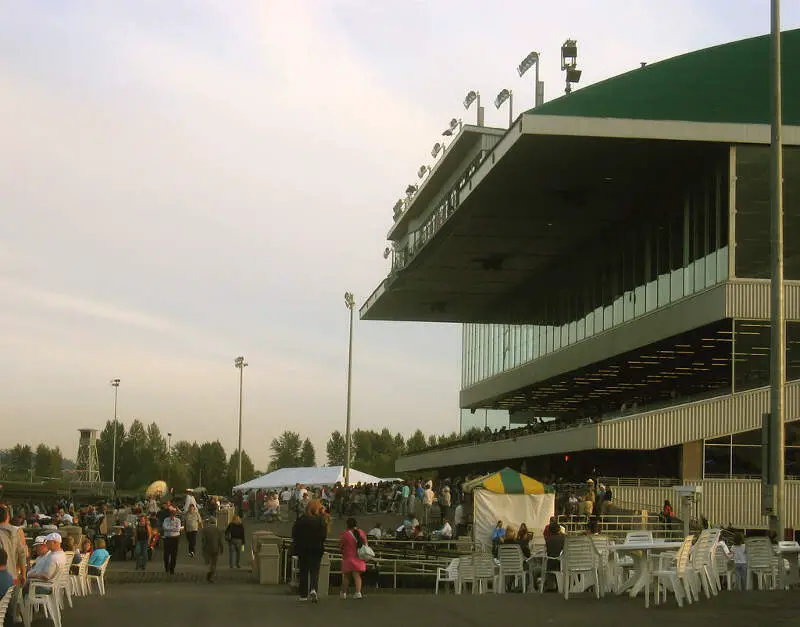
point(288, 477)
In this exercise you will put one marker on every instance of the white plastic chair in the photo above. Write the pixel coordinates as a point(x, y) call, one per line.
point(610, 573)
point(760, 558)
point(42, 595)
point(466, 573)
point(448, 575)
point(702, 561)
point(80, 584)
point(579, 565)
point(512, 564)
point(63, 584)
point(677, 579)
point(99, 579)
point(4, 603)
point(723, 565)
point(485, 575)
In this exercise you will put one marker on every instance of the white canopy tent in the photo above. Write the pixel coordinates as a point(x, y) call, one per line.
point(324, 475)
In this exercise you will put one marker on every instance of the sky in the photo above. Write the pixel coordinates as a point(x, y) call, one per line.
point(183, 182)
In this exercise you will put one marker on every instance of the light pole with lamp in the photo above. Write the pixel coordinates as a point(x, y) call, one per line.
point(569, 63)
point(241, 364)
point(350, 303)
point(532, 60)
point(474, 96)
point(169, 458)
point(504, 95)
point(115, 385)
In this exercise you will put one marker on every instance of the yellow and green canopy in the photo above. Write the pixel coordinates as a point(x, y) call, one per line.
point(506, 481)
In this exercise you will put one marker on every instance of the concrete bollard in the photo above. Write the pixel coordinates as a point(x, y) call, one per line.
point(324, 575)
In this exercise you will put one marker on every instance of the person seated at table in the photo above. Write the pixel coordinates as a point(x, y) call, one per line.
point(376, 532)
point(445, 533)
point(98, 557)
point(272, 507)
point(48, 565)
point(524, 538)
point(510, 536)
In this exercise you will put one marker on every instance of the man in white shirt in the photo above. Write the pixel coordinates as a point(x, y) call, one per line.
point(460, 520)
point(172, 533)
point(48, 565)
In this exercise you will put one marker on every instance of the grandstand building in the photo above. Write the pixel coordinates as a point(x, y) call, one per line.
point(608, 258)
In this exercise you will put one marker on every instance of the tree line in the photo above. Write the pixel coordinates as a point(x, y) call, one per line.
point(373, 452)
point(144, 455)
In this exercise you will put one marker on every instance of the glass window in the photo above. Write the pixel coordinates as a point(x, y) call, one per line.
point(662, 261)
point(746, 460)
point(676, 254)
point(752, 212)
point(751, 354)
point(717, 461)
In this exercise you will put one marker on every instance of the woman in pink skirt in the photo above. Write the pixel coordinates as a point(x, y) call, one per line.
point(352, 565)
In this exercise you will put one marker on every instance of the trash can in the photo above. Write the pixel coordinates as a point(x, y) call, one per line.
point(324, 575)
point(257, 539)
point(269, 564)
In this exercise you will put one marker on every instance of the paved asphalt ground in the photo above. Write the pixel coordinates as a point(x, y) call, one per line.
point(202, 604)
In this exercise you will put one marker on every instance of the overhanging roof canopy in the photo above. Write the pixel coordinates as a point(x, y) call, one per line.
point(579, 165)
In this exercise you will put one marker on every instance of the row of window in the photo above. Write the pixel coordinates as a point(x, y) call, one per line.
point(674, 255)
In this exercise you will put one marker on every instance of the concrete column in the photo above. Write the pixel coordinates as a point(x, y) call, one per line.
point(692, 461)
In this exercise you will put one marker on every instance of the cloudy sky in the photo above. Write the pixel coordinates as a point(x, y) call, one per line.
point(182, 182)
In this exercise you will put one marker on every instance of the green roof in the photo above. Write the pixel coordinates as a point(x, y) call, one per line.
point(727, 83)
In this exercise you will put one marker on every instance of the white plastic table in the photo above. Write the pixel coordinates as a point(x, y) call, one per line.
point(790, 551)
point(640, 552)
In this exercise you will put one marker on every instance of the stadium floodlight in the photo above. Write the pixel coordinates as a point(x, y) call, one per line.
point(455, 127)
point(423, 170)
point(411, 190)
point(398, 208)
point(437, 148)
point(532, 60)
point(386, 252)
point(504, 95)
point(569, 63)
point(474, 96)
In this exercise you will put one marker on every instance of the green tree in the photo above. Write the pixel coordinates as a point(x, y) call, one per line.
point(286, 451)
point(336, 449)
point(105, 447)
point(248, 469)
point(211, 467)
point(399, 444)
point(416, 442)
point(20, 461)
point(48, 462)
point(308, 456)
point(178, 472)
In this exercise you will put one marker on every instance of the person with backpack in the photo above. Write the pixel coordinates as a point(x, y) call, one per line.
point(351, 541)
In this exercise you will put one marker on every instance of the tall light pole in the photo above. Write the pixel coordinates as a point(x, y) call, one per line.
point(169, 458)
point(115, 385)
point(504, 95)
point(350, 303)
point(532, 61)
point(774, 474)
point(241, 364)
point(474, 96)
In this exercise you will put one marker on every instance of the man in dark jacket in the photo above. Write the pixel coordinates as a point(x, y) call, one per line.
point(212, 546)
point(308, 541)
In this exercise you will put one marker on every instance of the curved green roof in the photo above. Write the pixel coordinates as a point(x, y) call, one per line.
point(727, 83)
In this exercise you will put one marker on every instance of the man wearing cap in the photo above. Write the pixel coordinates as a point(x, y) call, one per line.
point(47, 567)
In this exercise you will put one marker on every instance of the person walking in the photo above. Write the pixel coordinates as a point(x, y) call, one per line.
point(308, 541)
point(234, 534)
point(172, 533)
point(352, 565)
point(194, 523)
point(212, 547)
point(143, 534)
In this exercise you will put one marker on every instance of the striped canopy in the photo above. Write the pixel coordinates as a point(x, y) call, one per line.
point(506, 481)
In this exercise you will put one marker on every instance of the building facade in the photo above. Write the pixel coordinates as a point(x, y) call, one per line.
point(608, 257)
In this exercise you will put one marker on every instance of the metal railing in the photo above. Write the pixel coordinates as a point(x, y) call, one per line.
point(617, 526)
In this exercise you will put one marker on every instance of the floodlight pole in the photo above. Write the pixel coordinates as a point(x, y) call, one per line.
point(115, 385)
point(511, 108)
point(776, 450)
point(241, 364)
point(350, 303)
point(538, 96)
